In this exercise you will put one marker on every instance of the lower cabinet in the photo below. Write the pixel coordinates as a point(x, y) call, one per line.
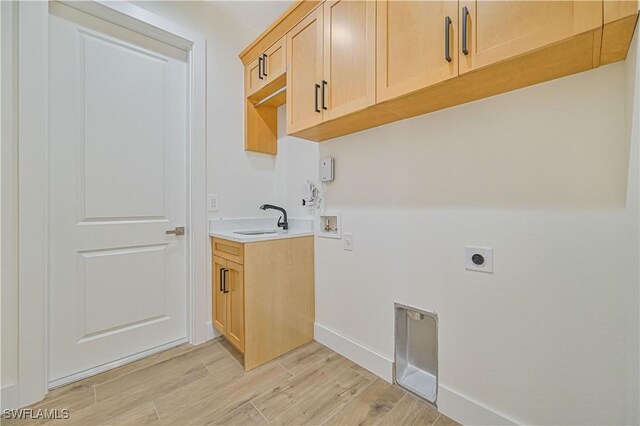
point(263, 296)
point(228, 301)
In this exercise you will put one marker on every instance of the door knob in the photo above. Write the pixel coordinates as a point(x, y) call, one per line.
point(179, 230)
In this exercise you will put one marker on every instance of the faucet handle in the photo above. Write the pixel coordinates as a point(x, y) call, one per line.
point(283, 224)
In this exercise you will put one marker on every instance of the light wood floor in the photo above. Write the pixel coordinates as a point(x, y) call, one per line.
point(207, 385)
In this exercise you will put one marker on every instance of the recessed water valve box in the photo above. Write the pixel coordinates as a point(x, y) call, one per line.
point(328, 225)
point(416, 351)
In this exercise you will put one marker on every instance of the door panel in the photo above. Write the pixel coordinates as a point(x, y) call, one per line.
point(304, 64)
point(349, 56)
point(253, 82)
point(219, 303)
point(497, 30)
point(276, 60)
point(235, 304)
point(135, 102)
point(411, 45)
point(112, 284)
point(117, 126)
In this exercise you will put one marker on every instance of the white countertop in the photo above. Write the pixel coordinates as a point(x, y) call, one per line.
point(226, 229)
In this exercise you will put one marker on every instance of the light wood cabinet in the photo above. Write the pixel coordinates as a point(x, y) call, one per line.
point(349, 57)
point(234, 287)
point(331, 57)
point(304, 74)
point(228, 300)
point(253, 79)
point(493, 31)
point(263, 296)
point(417, 45)
point(427, 55)
point(620, 19)
point(219, 302)
point(274, 62)
point(266, 68)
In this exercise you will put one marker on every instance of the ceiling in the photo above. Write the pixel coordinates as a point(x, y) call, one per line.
point(258, 14)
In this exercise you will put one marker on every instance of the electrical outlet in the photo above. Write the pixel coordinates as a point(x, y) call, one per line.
point(213, 203)
point(348, 241)
point(478, 259)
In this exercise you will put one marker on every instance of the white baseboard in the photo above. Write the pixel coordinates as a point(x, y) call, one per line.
point(450, 403)
point(467, 411)
point(9, 396)
point(364, 357)
point(212, 333)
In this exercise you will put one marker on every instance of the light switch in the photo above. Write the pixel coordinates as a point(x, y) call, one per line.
point(348, 241)
point(212, 203)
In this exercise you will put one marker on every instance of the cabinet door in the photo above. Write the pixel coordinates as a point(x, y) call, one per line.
point(275, 60)
point(417, 45)
point(304, 73)
point(498, 30)
point(253, 80)
point(235, 304)
point(219, 302)
point(349, 73)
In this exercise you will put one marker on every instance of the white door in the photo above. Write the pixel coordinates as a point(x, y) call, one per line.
point(118, 132)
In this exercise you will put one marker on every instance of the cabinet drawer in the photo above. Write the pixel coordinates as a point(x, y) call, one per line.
point(229, 250)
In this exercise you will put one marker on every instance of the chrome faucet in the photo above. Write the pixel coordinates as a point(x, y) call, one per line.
point(281, 223)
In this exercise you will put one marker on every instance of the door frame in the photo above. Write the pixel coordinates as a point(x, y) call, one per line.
point(33, 178)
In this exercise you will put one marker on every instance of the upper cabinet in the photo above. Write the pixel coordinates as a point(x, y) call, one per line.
point(356, 64)
point(253, 78)
point(267, 67)
point(619, 22)
point(331, 57)
point(274, 61)
point(304, 74)
point(349, 69)
point(493, 31)
point(417, 45)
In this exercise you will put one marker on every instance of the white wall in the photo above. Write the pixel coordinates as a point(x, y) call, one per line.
point(296, 163)
point(9, 209)
point(632, 351)
point(242, 180)
point(540, 175)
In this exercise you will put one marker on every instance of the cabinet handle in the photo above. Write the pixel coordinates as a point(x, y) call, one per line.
point(225, 275)
point(264, 64)
point(260, 59)
point(447, 31)
point(222, 280)
point(324, 85)
point(316, 98)
point(465, 15)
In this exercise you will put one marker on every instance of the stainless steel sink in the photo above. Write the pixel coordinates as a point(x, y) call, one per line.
point(260, 232)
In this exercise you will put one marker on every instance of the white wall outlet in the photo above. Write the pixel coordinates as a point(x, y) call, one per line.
point(213, 204)
point(478, 259)
point(348, 241)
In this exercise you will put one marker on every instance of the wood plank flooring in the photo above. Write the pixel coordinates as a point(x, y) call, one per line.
point(206, 385)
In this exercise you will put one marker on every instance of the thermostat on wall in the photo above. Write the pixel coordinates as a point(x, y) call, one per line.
point(326, 169)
